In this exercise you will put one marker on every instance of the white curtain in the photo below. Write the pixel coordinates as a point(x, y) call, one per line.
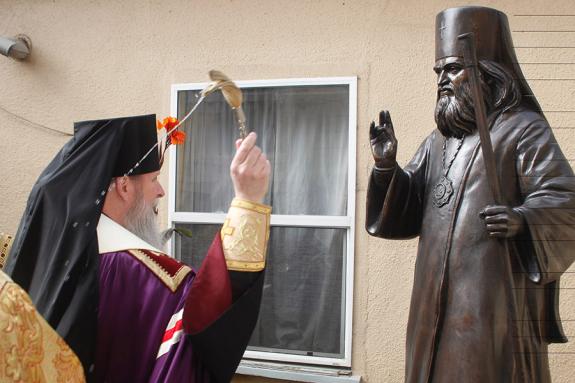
point(304, 132)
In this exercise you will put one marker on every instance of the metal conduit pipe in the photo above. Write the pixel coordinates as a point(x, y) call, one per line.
point(17, 47)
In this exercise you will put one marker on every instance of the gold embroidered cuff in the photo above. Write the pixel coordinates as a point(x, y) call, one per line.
point(5, 245)
point(245, 235)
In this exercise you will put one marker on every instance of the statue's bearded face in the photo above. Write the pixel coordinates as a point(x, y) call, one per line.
point(454, 112)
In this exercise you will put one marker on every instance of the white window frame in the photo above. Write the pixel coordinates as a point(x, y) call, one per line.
point(346, 222)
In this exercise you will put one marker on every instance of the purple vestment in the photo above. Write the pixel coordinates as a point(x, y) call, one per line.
point(140, 324)
point(159, 321)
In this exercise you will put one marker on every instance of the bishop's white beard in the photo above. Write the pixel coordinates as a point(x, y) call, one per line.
point(142, 220)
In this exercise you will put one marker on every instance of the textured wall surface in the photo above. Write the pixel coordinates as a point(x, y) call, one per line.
point(96, 59)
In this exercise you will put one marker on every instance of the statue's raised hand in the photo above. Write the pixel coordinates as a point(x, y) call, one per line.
point(383, 141)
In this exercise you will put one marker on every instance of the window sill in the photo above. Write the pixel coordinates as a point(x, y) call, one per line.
point(296, 373)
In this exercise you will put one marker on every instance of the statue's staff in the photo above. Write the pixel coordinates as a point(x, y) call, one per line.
point(470, 58)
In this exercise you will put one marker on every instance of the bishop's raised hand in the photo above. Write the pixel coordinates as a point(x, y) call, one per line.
point(250, 170)
point(383, 141)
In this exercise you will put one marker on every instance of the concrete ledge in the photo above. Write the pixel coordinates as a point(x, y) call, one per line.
point(296, 373)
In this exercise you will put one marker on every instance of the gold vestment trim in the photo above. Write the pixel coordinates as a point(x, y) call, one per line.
point(171, 282)
point(249, 205)
point(30, 350)
point(5, 246)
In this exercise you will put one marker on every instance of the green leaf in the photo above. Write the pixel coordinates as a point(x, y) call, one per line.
point(183, 232)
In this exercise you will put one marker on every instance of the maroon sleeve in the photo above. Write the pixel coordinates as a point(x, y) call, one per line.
point(211, 292)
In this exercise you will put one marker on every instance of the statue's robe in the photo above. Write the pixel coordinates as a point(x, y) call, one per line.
point(160, 321)
point(471, 318)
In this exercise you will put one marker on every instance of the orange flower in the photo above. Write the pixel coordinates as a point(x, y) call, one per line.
point(177, 137)
point(170, 122)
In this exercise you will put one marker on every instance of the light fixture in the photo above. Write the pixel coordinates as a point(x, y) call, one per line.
point(17, 47)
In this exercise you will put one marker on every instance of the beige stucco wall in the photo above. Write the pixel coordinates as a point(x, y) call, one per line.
point(95, 59)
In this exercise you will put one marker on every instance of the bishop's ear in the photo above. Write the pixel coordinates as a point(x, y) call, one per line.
point(122, 186)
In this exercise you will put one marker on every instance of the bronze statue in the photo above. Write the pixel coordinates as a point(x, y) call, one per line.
point(485, 295)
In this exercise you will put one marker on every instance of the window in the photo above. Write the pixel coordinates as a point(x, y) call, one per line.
point(307, 130)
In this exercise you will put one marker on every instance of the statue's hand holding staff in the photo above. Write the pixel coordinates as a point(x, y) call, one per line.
point(250, 170)
point(502, 221)
point(383, 141)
